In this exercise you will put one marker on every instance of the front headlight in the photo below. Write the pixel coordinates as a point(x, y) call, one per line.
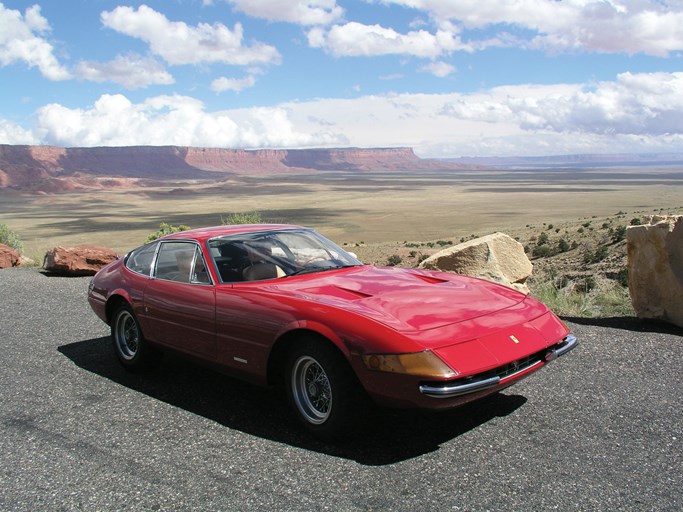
point(423, 364)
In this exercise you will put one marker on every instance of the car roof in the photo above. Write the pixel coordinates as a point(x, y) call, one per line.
point(202, 234)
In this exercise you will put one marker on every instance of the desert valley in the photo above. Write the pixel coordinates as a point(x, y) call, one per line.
point(116, 196)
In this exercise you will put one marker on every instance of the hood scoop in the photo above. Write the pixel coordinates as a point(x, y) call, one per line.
point(337, 292)
point(430, 279)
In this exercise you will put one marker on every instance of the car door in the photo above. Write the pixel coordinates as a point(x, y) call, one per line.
point(180, 300)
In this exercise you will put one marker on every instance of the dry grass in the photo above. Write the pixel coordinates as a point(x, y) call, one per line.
point(607, 299)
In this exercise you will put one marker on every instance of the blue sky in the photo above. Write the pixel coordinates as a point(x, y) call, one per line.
point(446, 77)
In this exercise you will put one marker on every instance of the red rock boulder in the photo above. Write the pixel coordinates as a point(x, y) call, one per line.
point(8, 257)
point(82, 260)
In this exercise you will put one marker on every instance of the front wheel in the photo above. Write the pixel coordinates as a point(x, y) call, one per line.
point(322, 390)
point(130, 345)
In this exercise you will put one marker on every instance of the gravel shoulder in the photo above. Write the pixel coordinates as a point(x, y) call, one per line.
point(600, 429)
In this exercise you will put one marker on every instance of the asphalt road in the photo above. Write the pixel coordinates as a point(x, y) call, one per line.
point(600, 429)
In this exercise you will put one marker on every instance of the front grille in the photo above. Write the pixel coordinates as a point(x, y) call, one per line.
point(501, 372)
point(518, 366)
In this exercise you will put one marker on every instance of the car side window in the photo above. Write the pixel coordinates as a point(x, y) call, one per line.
point(181, 262)
point(140, 260)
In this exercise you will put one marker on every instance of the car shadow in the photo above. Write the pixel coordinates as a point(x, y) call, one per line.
point(390, 436)
point(628, 323)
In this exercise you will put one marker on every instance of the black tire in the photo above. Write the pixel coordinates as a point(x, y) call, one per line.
point(130, 346)
point(322, 390)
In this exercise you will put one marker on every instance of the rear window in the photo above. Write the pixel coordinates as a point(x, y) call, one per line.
point(140, 260)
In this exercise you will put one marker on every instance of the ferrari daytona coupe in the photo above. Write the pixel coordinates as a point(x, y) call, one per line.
point(282, 305)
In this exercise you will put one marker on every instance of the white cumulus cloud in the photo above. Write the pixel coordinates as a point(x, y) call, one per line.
point(223, 83)
point(300, 12)
point(12, 133)
point(635, 112)
point(356, 39)
point(131, 71)
point(438, 68)
point(114, 120)
point(22, 40)
point(179, 43)
point(612, 26)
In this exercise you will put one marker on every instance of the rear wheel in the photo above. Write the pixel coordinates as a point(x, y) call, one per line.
point(322, 390)
point(130, 345)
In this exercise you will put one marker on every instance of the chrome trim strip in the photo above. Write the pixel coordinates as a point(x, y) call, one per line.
point(459, 389)
point(570, 343)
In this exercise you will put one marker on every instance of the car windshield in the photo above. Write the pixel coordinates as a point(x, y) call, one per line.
point(274, 254)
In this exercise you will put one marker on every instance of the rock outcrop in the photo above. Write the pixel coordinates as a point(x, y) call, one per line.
point(82, 260)
point(496, 257)
point(655, 268)
point(9, 257)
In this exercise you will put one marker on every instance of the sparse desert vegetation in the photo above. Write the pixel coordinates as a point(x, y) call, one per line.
point(573, 231)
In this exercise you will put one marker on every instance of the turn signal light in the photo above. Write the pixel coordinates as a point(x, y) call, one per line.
point(423, 364)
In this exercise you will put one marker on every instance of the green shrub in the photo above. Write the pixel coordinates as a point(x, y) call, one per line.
point(562, 245)
point(622, 277)
point(394, 260)
point(585, 285)
point(543, 251)
point(596, 256)
point(635, 222)
point(543, 239)
point(166, 229)
point(619, 234)
point(10, 238)
point(242, 218)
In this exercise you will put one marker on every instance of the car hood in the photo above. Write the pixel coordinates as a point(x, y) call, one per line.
point(405, 299)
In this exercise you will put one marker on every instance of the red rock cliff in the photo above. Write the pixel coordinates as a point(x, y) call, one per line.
point(50, 169)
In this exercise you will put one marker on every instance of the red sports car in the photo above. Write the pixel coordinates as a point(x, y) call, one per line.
point(282, 305)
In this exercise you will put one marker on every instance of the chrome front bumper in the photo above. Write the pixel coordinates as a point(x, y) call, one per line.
point(503, 374)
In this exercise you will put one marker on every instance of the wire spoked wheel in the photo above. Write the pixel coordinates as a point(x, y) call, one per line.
point(322, 389)
point(129, 343)
point(126, 334)
point(311, 390)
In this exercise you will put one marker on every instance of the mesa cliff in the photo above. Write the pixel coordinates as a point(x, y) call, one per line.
point(51, 169)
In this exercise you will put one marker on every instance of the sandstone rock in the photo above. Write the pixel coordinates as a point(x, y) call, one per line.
point(8, 257)
point(655, 268)
point(83, 260)
point(495, 257)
